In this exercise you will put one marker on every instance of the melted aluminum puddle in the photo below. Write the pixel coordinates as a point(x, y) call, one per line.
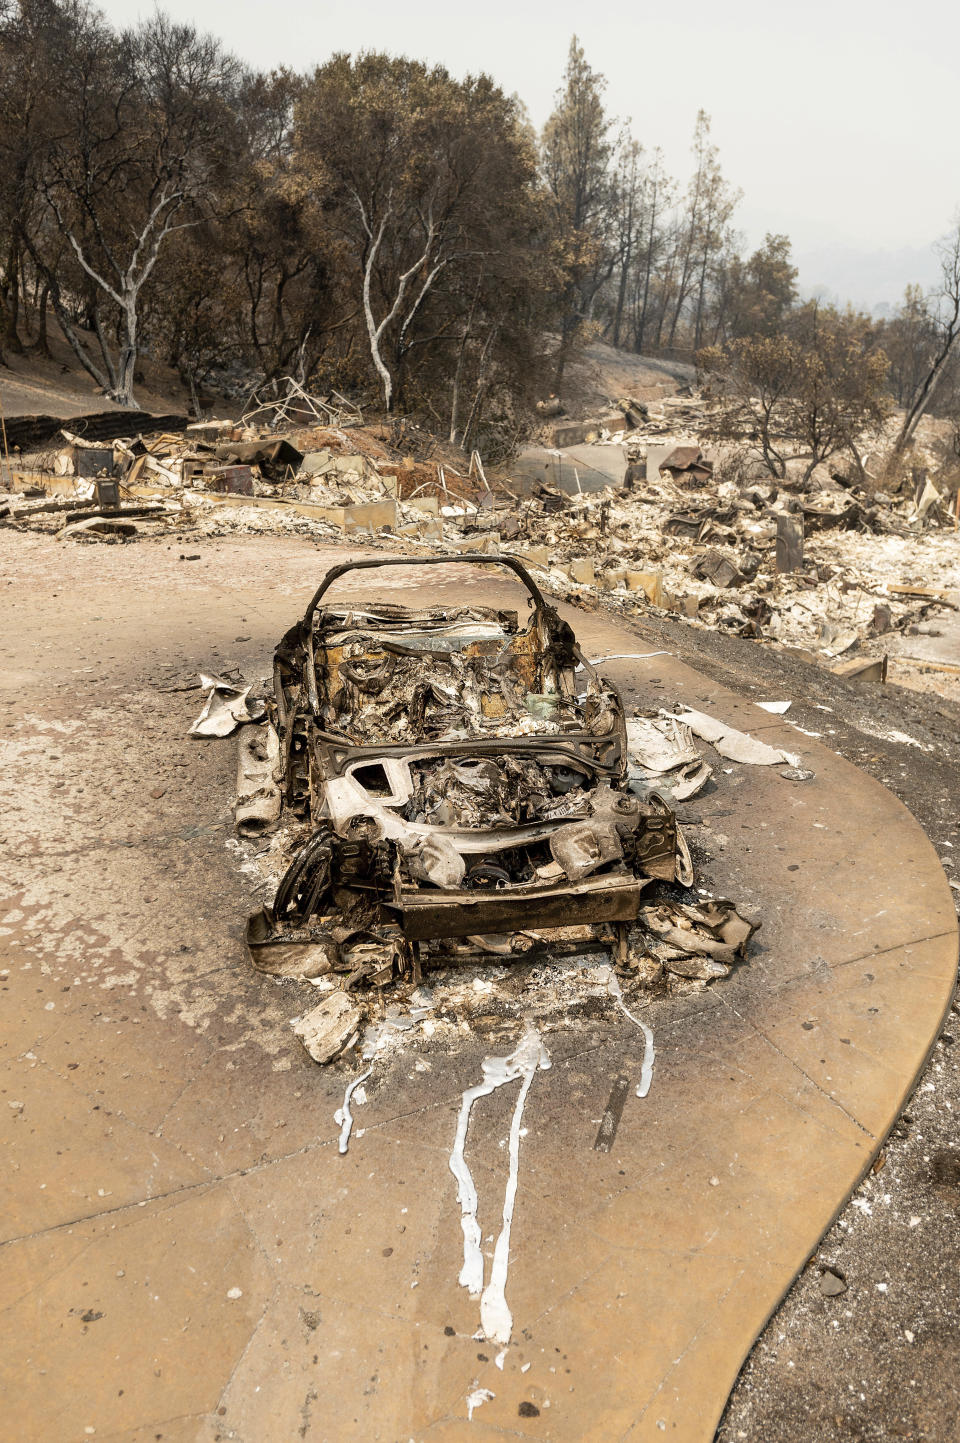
point(529, 1056)
point(646, 1067)
point(343, 1115)
point(476, 1399)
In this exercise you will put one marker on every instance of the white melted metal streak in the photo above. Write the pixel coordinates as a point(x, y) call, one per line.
point(529, 1056)
point(646, 1067)
point(476, 1399)
point(343, 1115)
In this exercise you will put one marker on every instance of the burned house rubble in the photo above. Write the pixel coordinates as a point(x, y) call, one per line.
point(451, 782)
point(636, 511)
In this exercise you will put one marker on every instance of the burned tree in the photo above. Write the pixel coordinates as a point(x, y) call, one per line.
point(942, 313)
point(810, 393)
point(425, 184)
point(132, 151)
point(577, 152)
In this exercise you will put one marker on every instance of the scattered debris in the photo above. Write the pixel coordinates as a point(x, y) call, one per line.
point(330, 1027)
point(259, 798)
point(735, 745)
point(832, 1283)
point(225, 708)
point(700, 941)
point(663, 758)
point(285, 401)
point(632, 510)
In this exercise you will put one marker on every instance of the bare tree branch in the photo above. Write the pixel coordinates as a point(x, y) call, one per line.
point(949, 328)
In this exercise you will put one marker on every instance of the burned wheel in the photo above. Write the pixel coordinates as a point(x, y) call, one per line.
point(485, 875)
point(305, 880)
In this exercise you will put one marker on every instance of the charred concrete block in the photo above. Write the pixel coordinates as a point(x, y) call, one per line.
point(573, 433)
point(375, 514)
point(649, 582)
point(329, 1027)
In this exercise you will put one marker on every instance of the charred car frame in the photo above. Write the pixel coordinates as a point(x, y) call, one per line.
point(456, 774)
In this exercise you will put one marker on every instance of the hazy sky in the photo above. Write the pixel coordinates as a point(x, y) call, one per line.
point(838, 121)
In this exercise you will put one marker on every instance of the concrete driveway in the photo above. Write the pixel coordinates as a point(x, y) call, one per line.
point(187, 1257)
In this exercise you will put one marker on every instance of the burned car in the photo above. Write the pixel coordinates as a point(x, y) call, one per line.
point(457, 772)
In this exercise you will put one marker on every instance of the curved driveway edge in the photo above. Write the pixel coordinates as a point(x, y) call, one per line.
point(786, 1089)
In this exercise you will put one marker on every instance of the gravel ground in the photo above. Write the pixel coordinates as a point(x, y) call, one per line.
point(879, 1359)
